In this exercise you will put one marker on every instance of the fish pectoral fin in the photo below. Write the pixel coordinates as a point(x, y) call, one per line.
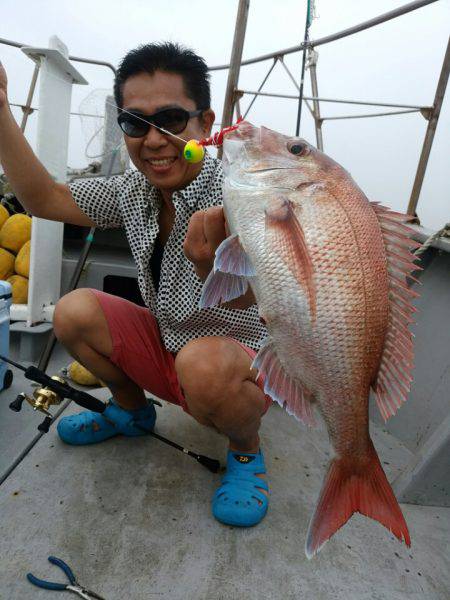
point(290, 393)
point(232, 258)
point(285, 237)
point(228, 279)
point(222, 287)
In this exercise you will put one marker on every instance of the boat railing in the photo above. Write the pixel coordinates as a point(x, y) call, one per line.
point(56, 59)
point(234, 93)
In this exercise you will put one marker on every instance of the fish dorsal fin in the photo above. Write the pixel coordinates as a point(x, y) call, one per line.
point(285, 237)
point(394, 376)
point(281, 387)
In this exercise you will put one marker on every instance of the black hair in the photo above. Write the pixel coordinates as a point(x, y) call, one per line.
point(171, 58)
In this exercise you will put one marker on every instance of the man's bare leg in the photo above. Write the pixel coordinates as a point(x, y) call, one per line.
point(79, 324)
point(220, 389)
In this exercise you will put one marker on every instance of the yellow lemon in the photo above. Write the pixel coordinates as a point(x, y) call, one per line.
point(19, 286)
point(6, 264)
point(15, 232)
point(4, 214)
point(22, 264)
point(81, 375)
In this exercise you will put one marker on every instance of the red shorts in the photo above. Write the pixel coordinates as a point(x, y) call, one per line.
point(140, 353)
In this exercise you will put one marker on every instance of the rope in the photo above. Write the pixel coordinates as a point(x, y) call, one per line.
point(444, 232)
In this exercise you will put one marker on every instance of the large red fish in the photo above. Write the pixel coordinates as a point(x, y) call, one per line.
point(328, 269)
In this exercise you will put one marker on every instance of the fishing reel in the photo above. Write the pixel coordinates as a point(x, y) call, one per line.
point(55, 389)
point(41, 400)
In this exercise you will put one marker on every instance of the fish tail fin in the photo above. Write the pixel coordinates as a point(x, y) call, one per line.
point(350, 487)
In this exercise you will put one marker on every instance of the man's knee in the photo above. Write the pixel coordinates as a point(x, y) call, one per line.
point(210, 368)
point(75, 313)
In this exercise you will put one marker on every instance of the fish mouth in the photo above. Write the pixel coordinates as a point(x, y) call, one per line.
point(307, 184)
point(303, 185)
point(266, 170)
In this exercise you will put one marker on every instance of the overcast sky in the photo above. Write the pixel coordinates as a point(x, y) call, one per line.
point(397, 62)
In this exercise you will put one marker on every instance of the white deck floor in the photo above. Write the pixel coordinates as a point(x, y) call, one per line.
point(132, 517)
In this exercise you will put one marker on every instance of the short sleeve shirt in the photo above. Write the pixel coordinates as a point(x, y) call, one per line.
point(131, 202)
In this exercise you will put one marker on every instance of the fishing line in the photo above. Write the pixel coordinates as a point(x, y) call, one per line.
point(193, 149)
point(190, 149)
point(113, 104)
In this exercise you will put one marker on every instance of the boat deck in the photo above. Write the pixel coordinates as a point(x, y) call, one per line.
point(132, 517)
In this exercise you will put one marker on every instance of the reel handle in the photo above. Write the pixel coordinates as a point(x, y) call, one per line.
point(16, 405)
point(65, 390)
point(45, 425)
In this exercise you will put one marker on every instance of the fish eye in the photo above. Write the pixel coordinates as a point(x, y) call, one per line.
point(297, 148)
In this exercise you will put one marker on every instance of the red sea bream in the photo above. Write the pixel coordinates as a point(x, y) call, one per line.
point(328, 270)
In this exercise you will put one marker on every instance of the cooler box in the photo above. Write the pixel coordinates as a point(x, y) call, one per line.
point(6, 375)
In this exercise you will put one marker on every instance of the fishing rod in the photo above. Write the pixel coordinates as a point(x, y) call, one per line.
point(309, 9)
point(55, 389)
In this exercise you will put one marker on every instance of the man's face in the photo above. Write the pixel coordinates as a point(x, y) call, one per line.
point(157, 155)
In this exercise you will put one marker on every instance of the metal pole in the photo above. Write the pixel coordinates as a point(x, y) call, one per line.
point(339, 101)
point(90, 61)
point(27, 110)
point(235, 65)
point(383, 18)
point(402, 10)
point(429, 135)
point(366, 115)
point(238, 105)
point(312, 62)
point(261, 86)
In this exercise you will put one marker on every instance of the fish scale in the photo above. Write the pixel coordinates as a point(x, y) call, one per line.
point(328, 270)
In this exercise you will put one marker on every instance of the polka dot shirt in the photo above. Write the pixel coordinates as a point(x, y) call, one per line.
point(131, 202)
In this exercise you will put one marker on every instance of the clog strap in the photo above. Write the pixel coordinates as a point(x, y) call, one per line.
point(245, 462)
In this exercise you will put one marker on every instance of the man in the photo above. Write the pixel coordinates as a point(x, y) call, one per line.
point(171, 212)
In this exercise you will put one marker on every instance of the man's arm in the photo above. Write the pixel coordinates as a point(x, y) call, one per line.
point(206, 231)
point(38, 193)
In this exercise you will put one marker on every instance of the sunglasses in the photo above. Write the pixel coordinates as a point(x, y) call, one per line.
point(174, 120)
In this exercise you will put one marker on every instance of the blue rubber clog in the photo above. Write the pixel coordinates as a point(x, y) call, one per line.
point(90, 427)
point(238, 501)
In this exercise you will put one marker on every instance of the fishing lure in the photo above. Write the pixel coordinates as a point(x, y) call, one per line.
point(194, 150)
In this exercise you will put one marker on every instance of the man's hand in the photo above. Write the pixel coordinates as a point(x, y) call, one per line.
point(206, 231)
point(3, 87)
